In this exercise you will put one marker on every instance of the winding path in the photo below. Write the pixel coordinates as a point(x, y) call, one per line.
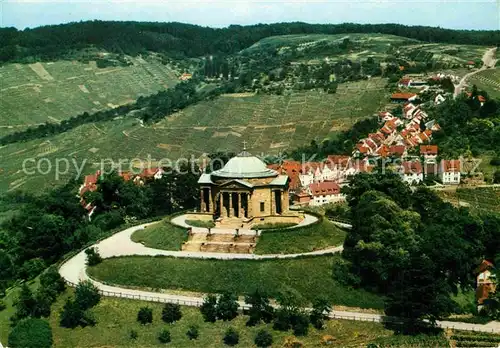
point(73, 271)
point(489, 61)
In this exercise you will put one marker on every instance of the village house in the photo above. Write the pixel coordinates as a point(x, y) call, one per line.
point(429, 152)
point(411, 172)
point(325, 192)
point(302, 198)
point(439, 99)
point(449, 172)
point(485, 282)
point(185, 77)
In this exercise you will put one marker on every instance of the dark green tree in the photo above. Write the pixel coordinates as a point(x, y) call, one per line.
point(31, 333)
point(171, 313)
point(145, 315)
point(260, 309)
point(263, 339)
point(164, 336)
point(227, 307)
point(231, 337)
point(87, 295)
point(209, 308)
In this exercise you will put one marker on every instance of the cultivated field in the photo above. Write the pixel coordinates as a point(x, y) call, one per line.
point(269, 124)
point(488, 80)
point(32, 94)
point(485, 199)
point(378, 46)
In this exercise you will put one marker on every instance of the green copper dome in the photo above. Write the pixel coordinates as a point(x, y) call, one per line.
point(245, 166)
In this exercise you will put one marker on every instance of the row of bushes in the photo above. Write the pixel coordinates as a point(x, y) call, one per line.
point(476, 337)
point(470, 344)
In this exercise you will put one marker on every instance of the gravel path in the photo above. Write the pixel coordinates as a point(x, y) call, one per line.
point(489, 61)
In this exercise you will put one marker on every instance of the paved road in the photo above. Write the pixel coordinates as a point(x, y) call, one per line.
point(120, 244)
point(488, 61)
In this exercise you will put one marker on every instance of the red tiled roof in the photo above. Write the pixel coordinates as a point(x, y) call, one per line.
point(92, 178)
point(383, 151)
point(428, 149)
point(397, 150)
point(404, 82)
point(361, 148)
point(324, 188)
point(405, 96)
point(414, 167)
point(450, 166)
point(290, 168)
point(485, 265)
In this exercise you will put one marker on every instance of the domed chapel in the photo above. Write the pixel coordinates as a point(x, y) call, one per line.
point(244, 188)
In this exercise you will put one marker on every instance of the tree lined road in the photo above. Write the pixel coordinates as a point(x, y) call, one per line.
point(489, 61)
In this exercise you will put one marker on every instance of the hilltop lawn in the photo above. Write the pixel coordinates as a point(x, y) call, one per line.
point(301, 239)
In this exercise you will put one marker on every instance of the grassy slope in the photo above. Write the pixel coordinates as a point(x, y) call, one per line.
point(162, 235)
point(116, 317)
point(50, 92)
point(268, 124)
point(306, 277)
point(302, 239)
point(5, 315)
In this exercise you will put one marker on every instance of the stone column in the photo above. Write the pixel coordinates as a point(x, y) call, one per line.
point(211, 207)
point(202, 200)
point(242, 209)
point(221, 204)
point(249, 206)
point(230, 209)
point(273, 208)
point(282, 195)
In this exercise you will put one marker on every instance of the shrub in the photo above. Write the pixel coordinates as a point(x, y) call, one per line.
point(71, 314)
point(25, 305)
point(209, 309)
point(231, 337)
point(51, 281)
point(263, 339)
point(87, 295)
point(300, 324)
point(164, 336)
point(495, 161)
point(145, 315)
point(282, 321)
point(260, 308)
point(93, 256)
point(2, 305)
point(31, 268)
point(227, 307)
point(31, 333)
point(133, 334)
point(317, 315)
point(171, 313)
point(192, 333)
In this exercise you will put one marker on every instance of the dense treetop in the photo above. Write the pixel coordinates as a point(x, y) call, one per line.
point(54, 41)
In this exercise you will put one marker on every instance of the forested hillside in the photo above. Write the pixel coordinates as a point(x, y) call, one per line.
point(185, 40)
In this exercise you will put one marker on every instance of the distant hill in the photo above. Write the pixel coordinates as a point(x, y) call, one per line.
point(185, 40)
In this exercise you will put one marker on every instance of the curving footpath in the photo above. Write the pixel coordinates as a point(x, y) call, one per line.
point(73, 271)
point(489, 61)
